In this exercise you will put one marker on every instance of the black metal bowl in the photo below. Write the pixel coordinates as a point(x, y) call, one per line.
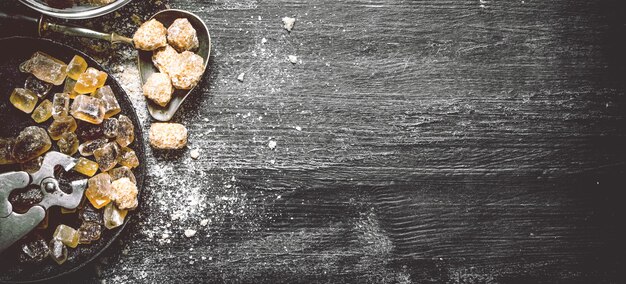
point(12, 121)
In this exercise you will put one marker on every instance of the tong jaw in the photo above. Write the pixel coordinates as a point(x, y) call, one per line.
point(8, 182)
point(52, 195)
point(14, 226)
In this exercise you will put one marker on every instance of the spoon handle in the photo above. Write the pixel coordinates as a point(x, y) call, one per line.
point(84, 32)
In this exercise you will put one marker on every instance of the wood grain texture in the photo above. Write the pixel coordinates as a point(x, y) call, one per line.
point(440, 142)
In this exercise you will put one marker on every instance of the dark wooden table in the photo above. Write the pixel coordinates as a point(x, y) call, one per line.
point(416, 142)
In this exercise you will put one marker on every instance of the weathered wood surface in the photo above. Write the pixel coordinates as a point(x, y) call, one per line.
point(440, 141)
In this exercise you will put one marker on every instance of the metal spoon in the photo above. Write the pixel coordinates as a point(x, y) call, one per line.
point(144, 62)
point(146, 67)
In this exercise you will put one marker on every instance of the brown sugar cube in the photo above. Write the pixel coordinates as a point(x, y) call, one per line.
point(188, 71)
point(150, 36)
point(158, 88)
point(181, 35)
point(165, 58)
point(168, 135)
point(124, 193)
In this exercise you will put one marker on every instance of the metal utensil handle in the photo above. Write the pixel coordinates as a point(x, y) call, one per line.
point(18, 18)
point(22, 21)
point(16, 226)
point(84, 32)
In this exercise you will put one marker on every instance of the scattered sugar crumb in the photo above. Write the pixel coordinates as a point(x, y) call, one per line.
point(204, 222)
point(293, 59)
point(195, 154)
point(271, 144)
point(272, 162)
point(263, 40)
point(288, 23)
point(190, 233)
point(240, 77)
point(298, 128)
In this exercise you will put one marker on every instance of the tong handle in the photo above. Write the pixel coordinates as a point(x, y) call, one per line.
point(16, 226)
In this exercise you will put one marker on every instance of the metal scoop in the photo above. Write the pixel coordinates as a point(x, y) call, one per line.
point(144, 63)
point(146, 67)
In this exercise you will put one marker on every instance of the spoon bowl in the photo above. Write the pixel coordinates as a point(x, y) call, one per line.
point(147, 68)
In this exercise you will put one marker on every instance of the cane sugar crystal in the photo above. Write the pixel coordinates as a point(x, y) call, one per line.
point(45, 68)
point(111, 106)
point(77, 66)
point(99, 190)
point(42, 112)
point(60, 125)
point(68, 143)
point(86, 167)
point(89, 109)
point(31, 143)
point(23, 99)
point(125, 131)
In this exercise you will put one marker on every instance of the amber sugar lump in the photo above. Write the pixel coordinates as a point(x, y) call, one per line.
point(113, 217)
point(87, 108)
point(40, 88)
point(77, 66)
point(128, 158)
point(67, 235)
point(33, 251)
point(42, 112)
point(89, 232)
point(68, 143)
point(109, 127)
point(45, 68)
point(90, 80)
point(68, 87)
point(111, 106)
point(99, 190)
point(58, 251)
point(6, 151)
point(60, 104)
point(122, 172)
point(60, 125)
point(23, 99)
point(86, 167)
point(107, 156)
point(31, 143)
point(125, 131)
point(88, 147)
point(33, 165)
